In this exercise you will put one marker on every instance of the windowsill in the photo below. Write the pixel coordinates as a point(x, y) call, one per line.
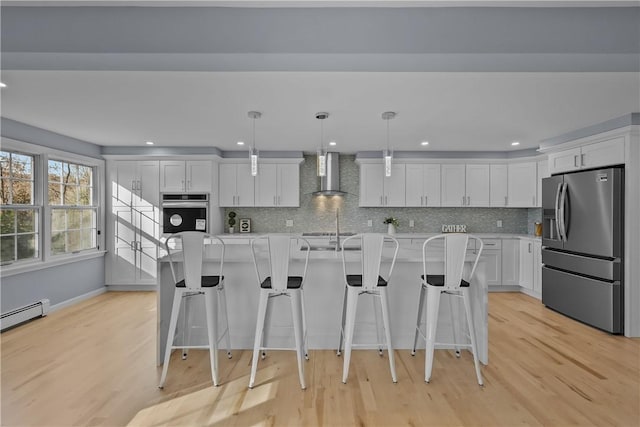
point(26, 267)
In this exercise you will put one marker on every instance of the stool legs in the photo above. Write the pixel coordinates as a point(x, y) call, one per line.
point(222, 304)
point(350, 320)
point(212, 332)
point(344, 315)
point(433, 304)
point(455, 329)
point(298, 331)
point(374, 306)
point(384, 302)
point(418, 319)
point(472, 333)
point(262, 313)
point(175, 310)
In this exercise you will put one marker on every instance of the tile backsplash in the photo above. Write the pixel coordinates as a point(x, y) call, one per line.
point(319, 213)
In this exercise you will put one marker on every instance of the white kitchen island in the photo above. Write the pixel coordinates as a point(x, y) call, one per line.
point(323, 292)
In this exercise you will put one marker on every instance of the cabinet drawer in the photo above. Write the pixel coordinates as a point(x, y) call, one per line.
point(490, 244)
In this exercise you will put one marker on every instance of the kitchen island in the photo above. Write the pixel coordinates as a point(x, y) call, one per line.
point(324, 289)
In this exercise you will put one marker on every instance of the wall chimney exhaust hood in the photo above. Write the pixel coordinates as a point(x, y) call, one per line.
point(330, 183)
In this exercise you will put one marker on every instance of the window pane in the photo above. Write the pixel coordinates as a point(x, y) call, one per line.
point(69, 173)
point(22, 193)
point(55, 171)
point(7, 224)
point(74, 218)
point(88, 241)
point(4, 163)
point(74, 240)
point(7, 248)
point(85, 174)
point(58, 243)
point(84, 196)
point(26, 246)
point(4, 191)
point(54, 194)
point(70, 195)
point(26, 221)
point(88, 218)
point(21, 166)
point(58, 221)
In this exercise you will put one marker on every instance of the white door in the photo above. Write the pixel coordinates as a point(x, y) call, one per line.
point(245, 184)
point(394, 186)
point(199, 175)
point(172, 176)
point(289, 185)
point(453, 185)
point(227, 184)
point(526, 264)
point(414, 185)
point(498, 185)
point(510, 262)
point(522, 184)
point(477, 185)
point(371, 184)
point(431, 185)
point(543, 172)
point(267, 185)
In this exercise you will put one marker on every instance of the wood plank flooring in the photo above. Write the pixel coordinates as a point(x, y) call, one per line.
point(93, 364)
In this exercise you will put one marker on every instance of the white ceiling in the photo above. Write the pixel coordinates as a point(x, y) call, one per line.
point(453, 111)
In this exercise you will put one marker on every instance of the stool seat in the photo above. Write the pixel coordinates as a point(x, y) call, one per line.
point(206, 282)
point(356, 280)
point(438, 280)
point(293, 282)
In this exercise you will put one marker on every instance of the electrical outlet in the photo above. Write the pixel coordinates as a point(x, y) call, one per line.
point(411, 223)
point(369, 223)
point(499, 223)
point(289, 223)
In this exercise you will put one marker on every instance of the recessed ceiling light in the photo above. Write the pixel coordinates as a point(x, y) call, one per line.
point(149, 142)
point(2, 84)
point(424, 143)
point(332, 143)
point(514, 143)
point(240, 142)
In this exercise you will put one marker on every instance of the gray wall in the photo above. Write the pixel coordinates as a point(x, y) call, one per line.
point(59, 283)
point(318, 213)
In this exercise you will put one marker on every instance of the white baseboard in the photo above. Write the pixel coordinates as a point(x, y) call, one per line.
point(132, 288)
point(77, 299)
point(531, 293)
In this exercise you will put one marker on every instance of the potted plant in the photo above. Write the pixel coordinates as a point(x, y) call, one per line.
point(392, 224)
point(232, 221)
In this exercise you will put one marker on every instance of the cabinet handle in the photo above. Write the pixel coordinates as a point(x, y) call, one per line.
point(386, 202)
point(529, 247)
point(468, 200)
point(421, 202)
point(278, 200)
point(506, 198)
point(425, 200)
point(188, 184)
point(462, 200)
point(274, 200)
point(132, 245)
point(575, 161)
point(381, 204)
point(582, 162)
point(183, 187)
point(237, 200)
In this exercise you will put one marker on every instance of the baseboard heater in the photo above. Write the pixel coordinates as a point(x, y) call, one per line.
point(23, 314)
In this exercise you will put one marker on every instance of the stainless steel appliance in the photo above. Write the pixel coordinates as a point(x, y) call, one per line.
point(583, 246)
point(185, 212)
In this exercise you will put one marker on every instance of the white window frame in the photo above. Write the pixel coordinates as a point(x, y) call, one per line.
point(41, 164)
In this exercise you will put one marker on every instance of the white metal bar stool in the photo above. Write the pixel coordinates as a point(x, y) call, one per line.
point(368, 282)
point(194, 246)
point(275, 281)
point(454, 284)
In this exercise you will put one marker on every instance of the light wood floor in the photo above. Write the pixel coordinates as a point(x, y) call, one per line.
point(94, 364)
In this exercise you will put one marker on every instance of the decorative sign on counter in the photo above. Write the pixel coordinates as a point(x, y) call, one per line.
point(454, 228)
point(245, 225)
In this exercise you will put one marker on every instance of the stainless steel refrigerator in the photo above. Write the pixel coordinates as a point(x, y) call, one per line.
point(583, 246)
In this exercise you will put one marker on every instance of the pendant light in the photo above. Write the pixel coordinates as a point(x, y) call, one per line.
point(253, 153)
point(387, 154)
point(322, 155)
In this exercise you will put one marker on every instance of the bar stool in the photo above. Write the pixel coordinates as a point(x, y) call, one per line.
point(211, 286)
point(275, 281)
point(454, 284)
point(367, 281)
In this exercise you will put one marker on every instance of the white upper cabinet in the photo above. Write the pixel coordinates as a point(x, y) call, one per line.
point(422, 185)
point(605, 153)
point(465, 185)
point(498, 183)
point(522, 184)
point(235, 185)
point(278, 185)
point(185, 176)
point(376, 189)
point(543, 172)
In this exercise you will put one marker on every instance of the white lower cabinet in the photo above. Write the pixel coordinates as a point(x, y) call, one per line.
point(537, 268)
point(510, 262)
point(526, 264)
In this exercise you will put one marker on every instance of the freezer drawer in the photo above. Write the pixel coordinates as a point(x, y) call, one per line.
point(597, 303)
point(589, 266)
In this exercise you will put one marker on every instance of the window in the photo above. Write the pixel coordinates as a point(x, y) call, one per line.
point(73, 207)
point(19, 223)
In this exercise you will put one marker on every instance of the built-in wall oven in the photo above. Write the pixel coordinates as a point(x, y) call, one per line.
point(185, 212)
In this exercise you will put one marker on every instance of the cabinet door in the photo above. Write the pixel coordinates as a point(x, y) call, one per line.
point(148, 184)
point(477, 185)
point(147, 238)
point(394, 186)
point(431, 185)
point(543, 172)
point(498, 183)
point(493, 267)
point(606, 153)
point(510, 262)
point(227, 184)
point(266, 185)
point(526, 264)
point(198, 175)
point(564, 161)
point(522, 184)
point(124, 182)
point(371, 184)
point(453, 185)
point(172, 177)
point(122, 266)
point(245, 183)
point(414, 185)
point(289, 185)
point(537, 267)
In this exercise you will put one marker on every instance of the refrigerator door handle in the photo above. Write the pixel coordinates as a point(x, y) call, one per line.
point(563, 199)
point(558, 190)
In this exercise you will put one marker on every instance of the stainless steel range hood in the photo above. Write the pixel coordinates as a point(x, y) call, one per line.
point(330, 184)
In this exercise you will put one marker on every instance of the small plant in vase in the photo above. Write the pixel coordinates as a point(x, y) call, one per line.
point(392, 223)
point(232, 221)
